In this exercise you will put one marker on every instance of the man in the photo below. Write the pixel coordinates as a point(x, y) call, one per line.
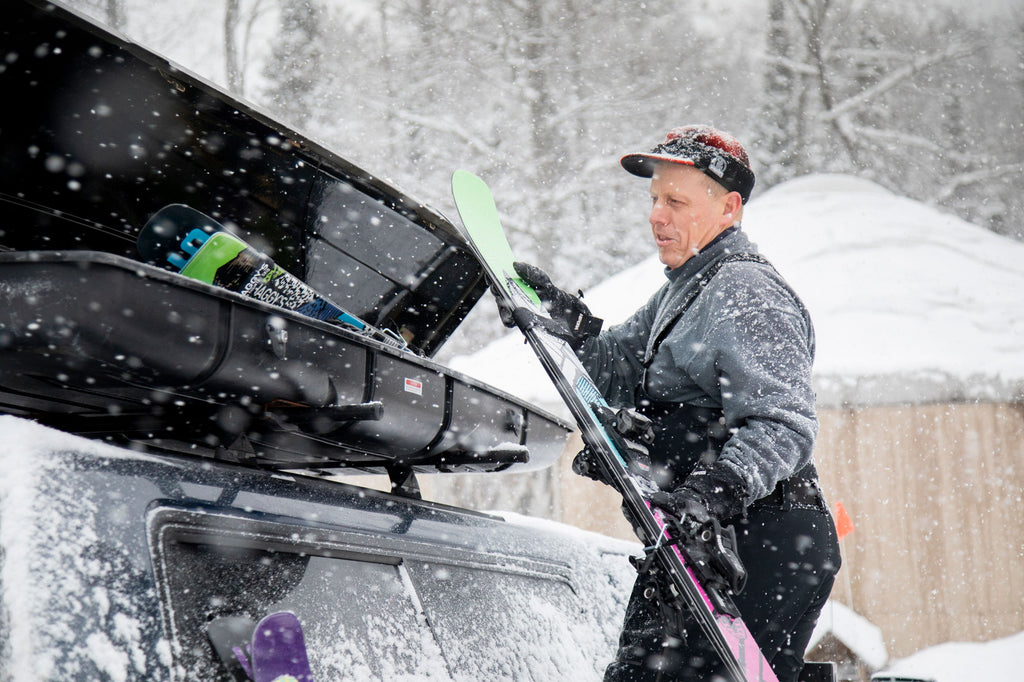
point(720, 359)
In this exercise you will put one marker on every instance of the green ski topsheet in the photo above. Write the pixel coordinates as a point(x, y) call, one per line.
point(480, 217)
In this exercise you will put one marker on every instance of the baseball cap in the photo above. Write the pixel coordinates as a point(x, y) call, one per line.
point(717, 154)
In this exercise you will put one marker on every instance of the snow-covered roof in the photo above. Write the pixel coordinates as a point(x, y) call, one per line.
point(857, 634)
point(910, 304)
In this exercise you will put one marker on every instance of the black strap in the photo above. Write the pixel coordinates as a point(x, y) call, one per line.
point(702, 284)
point(686, 434)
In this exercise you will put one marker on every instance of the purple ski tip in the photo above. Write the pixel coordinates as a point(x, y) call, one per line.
point(279, 650)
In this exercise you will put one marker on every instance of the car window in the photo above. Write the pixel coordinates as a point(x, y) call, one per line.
point(370, 611)
point(500, 624)
point(359, 617)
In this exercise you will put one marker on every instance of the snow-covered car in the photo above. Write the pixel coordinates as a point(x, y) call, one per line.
point(169, 447)
point(122, 565)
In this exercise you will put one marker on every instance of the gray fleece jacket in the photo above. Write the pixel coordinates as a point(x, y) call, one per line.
point(745, 346)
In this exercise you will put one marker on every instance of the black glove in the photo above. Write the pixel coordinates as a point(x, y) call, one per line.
point(719, 490)
point(683, 505)
point(571, 319)
point(558, 303)
point(585, 464)
point(696, 509)
point(707, 493)
point(526, 318)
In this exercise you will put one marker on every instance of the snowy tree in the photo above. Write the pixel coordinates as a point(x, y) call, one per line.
point(239, 19)
point(780, 125)
point(231, 19)
point(295, 62)
point(115, 14)
point(867, 89)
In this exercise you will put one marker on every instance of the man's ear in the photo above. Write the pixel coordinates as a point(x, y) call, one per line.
point(731, 209)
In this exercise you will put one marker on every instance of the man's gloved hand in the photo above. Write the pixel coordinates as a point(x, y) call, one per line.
point(717, 491)
point(585, 464)
point(559, 303)
point(571, 319)
point(706, 497)
point(682, 504)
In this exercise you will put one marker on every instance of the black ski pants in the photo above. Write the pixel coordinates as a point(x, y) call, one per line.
point(791, 554)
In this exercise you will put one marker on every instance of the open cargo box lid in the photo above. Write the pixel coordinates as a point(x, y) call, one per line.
point(95, 342)
point(105, 133)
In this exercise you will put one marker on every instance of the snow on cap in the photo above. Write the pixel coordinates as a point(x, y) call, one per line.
point(718, 154)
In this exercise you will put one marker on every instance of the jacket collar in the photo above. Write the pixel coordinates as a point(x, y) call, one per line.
point(731, 240)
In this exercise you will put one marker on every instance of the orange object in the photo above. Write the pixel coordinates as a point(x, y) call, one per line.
point(844, 524)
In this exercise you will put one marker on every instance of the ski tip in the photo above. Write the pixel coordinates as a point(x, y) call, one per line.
point(165, 229)
point(466, 179)
point(279, 649)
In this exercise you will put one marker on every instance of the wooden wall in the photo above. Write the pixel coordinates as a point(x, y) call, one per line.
point(935, 493)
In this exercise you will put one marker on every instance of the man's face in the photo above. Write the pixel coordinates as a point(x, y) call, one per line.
point(688, 210)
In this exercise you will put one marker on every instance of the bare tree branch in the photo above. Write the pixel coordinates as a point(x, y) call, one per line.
point(948, 190)
point(864, 98)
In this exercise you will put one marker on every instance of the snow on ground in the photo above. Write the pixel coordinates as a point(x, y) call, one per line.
point(1000, 660)
point(909, 304)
